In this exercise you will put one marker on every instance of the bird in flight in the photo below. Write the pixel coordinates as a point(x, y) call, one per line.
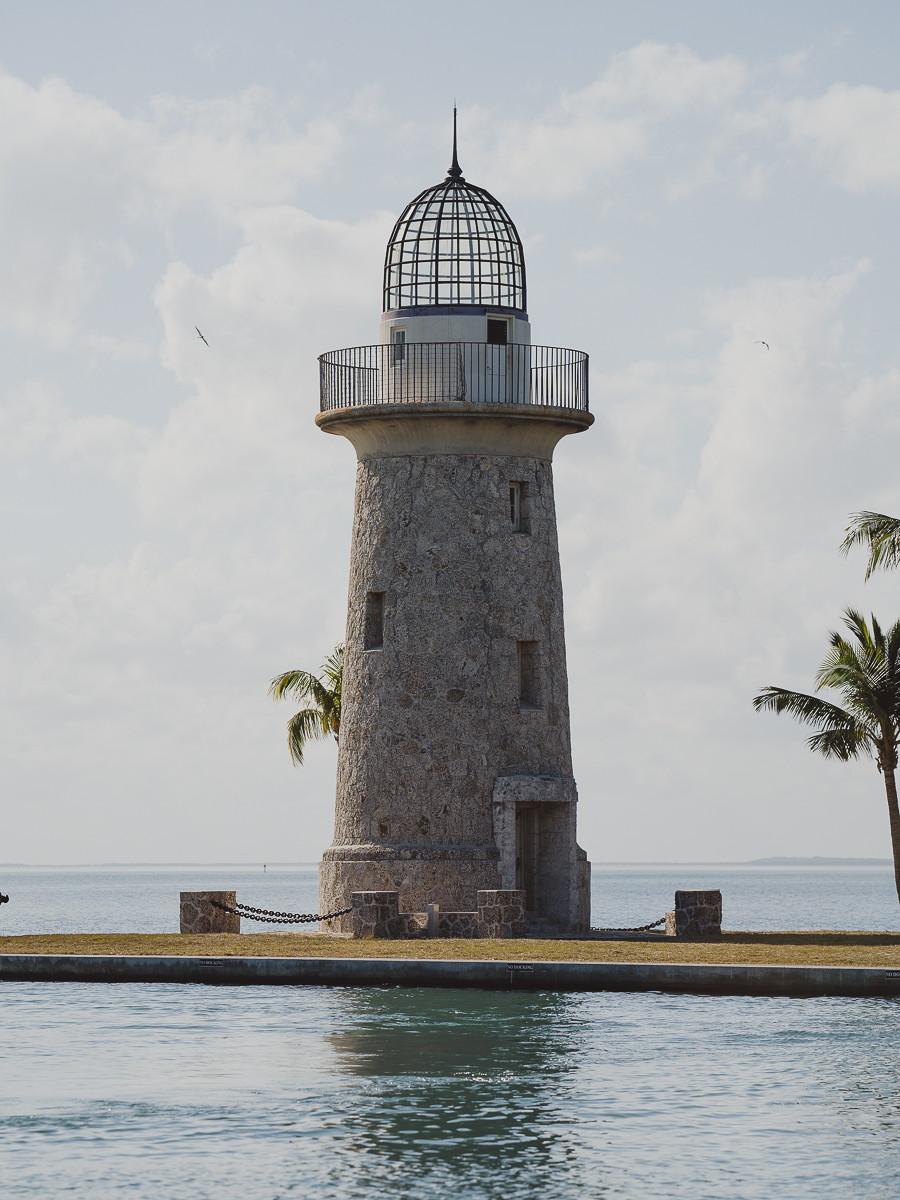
point(201, 337)
point(759, 343)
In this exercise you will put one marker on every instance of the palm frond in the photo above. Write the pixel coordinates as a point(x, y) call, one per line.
point(291, 683)
point(810, 709)
point(879, 534)
point(841, 743)
point(856, 623)
point(325, 694)
point(333, 667)
point(865, 671)
point(304, 726)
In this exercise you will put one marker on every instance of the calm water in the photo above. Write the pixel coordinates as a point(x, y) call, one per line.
point(145, 899)
point(254, 1093)
point(183, 1091)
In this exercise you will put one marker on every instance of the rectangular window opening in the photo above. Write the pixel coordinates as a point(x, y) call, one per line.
point(518, 506)
point(398, 341)
point(497, 332)
point(515, 506)
point(373, 629)
point(529, 691)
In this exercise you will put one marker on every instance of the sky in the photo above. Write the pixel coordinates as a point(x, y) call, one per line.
point(689, 181)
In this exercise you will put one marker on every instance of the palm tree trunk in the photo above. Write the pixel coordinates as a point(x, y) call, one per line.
point(890, 786)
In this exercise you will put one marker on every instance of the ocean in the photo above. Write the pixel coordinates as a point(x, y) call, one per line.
point(144, 899)
point(189, 1091)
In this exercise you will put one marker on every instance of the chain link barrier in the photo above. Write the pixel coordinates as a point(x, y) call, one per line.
point(277, 918)
point(635, 929)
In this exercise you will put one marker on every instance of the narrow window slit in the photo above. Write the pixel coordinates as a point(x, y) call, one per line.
point(529, 690)
point(373, 628)
point(515, 506)
point(518, 506)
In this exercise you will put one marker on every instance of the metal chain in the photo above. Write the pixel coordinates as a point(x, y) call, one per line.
point(276, 918)
point(636, 929)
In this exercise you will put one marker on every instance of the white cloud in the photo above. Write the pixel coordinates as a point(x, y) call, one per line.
point(72, 169)
point(35, 418)
point(700, 557)
point(699, 518)
point(296, 286)
point(851, 132)
point(594, 132)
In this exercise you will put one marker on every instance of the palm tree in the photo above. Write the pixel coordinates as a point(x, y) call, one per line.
point(323, 717)
point(879, 533)
point(866, 671)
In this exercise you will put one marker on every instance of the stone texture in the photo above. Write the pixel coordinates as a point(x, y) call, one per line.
point(555, 873)
point(431, 721)
point(670, 925)
point(458, 925)
point(697, 914)
point(198, 915)
point(501, 913)
point(376, 914)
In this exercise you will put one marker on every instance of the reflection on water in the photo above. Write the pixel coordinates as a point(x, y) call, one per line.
point(463, 1090)
point(164, 1092)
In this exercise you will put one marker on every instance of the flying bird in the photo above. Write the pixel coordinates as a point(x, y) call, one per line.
point(759, 343)
point(201, 337)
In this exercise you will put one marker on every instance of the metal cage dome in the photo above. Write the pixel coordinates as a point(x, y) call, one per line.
point(455, 244)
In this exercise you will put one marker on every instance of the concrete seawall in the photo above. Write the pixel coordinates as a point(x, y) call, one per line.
point(711, 979)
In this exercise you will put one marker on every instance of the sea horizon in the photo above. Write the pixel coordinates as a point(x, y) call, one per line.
point(816, 860)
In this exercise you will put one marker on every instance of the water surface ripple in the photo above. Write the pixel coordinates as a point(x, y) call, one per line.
point(167, 1090)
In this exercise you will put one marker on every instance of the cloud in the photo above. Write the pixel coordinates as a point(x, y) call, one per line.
point(592, 133)
point(853, 133)
point(72, 169)
point(699, 518)
point(296, 285)
point(700, 559)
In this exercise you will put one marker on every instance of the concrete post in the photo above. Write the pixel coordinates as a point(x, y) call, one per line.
point(434, 920)
point(199, 915)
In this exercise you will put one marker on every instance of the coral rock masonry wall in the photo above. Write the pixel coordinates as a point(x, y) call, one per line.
point(500, 914)
point(697, 914)
point(432, 715)
point(199, 915)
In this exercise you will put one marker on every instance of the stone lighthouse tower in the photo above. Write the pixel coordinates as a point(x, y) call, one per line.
point(454, 762)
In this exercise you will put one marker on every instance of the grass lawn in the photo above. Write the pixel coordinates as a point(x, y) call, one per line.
point(800, 949)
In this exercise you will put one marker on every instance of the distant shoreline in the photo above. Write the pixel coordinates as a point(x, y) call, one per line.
point(816, 861)
point(778, 861)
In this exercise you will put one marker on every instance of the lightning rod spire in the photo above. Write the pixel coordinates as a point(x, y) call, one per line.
point(454, 171)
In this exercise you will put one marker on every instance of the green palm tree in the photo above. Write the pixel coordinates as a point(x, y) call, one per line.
point(323, 716)
point(866, 671)
point(880, 534)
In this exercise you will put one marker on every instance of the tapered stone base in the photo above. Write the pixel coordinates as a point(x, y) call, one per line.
point(447, 876)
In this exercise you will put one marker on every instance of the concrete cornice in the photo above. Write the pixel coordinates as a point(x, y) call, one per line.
point(506, 430)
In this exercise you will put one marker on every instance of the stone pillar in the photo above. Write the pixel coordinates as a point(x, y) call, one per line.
point(375, 914)
point(698, 914)
point(199, 914)
point(501, 914)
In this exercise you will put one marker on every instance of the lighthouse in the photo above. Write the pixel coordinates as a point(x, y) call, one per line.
point(454, 762)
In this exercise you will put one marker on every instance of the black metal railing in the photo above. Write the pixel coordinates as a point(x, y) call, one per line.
point(461, 372)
